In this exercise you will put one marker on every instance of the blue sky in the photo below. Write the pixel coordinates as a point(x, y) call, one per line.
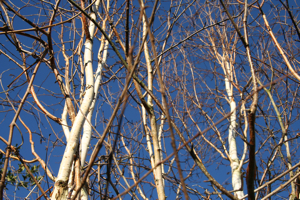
point(176, 69)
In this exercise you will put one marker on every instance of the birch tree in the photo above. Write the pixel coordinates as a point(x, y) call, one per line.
point(149, 99)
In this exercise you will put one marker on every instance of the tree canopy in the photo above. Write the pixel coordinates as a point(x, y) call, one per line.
point(149, 99)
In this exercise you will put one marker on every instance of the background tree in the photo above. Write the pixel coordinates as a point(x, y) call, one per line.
point(149, 99)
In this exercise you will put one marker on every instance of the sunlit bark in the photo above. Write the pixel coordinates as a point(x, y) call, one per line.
point(61, 186)
point(153, 124)
point(102, 56)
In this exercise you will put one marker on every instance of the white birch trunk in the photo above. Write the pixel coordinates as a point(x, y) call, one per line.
point(61, 184)
point(87, 128)
point(154, 132)
point(235, 162)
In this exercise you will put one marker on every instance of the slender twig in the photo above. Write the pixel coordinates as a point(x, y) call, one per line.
point(31, 175)
point(13, 123)
point(186, 142)
point(115, 143)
